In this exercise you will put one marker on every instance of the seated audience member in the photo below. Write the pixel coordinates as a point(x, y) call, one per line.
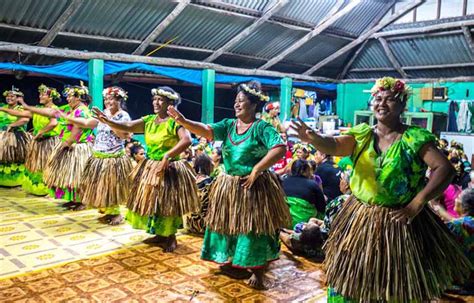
point(329, 174)
point(187, 155)
point(217, 162)
point(138, 153)
point(203, 167)
point(304, 196)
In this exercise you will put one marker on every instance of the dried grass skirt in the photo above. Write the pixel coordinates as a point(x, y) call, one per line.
point(105, 182)
point(65, 166)
point(369, 257)
point(173, 193)
point(14, 146)
point(39, 152)
point(233, 210)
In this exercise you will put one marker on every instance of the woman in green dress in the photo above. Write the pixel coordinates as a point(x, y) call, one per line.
point(14, 140)
point(163, 188)
point(246, 203)
point(63, 172)
point(384, 244)
point(45, 138)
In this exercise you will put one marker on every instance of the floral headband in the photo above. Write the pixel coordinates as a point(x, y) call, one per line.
point(115, 91)
point(297, 146)
point(76, 91)
point(397, 86)
point(164, 93)
point(52, 92)
point(254, 92)
point(14, 91)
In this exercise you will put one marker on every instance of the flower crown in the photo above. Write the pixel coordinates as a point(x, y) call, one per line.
point(297, 146)
point(116, 92)
point(76, 91)
point(254, 92)
point(52, 92)
point(397, 86)
point(14, 91)
point(164, 93)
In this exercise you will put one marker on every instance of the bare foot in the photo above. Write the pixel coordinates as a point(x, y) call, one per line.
point(234, 272)
point(155, 240)
point(104, 219)
point(171, 244)
point(78, 207)
point(115, 220)
point(257, 279)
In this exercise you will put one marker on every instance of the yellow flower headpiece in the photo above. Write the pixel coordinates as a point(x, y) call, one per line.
point(307, 147)
point(396, 86)
point(254, 92)
point(52, 92)
point(76, 91)
point(14, 91)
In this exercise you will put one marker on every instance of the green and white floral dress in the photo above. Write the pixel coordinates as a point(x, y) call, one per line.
point(241, 152)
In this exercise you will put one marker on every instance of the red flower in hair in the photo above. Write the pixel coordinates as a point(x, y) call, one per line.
point(399, 86)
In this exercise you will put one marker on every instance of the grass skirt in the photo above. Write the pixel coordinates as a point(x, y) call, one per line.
point(233, 210)
point(39, 152)
point(173, 193)
point(105, 181)
point(65, 166)
point(13, 147)
point(371, 258)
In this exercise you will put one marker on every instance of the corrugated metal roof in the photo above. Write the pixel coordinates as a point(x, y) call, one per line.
point(264, 43)
point(237, 61)
point(424, 23)
point(309, 11)
point(440, 73)
point(203, 28)
point(431, 50)
point(360, 17)
point(131, 19)
point(258, 5)
point(39, 14)
point(371, 75)
point(316, 49)
point(372, 56)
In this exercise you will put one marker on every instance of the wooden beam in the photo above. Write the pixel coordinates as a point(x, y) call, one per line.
point(74, 54)
point(425, 29)
point(418, 80)
point(438, 9)
point(415, 36)
point(470, 43)
point(316, 31)
point(372, 69)
point(160, 27)
point(365, 36)
point(247, 31)
point(464, 8)
point(391, 57)
point(351, 61)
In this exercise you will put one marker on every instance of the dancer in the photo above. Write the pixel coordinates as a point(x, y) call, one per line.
point(246, 203)
point(63, 172)
point(45, 138)
point(163, 188)
point(385, 245)
point(105, 182)
point(14, 140)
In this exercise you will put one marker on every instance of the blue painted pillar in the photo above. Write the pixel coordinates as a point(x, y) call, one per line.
point(208, 89)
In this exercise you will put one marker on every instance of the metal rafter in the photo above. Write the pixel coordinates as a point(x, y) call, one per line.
point(316, 31)
point(470, 43)
point(391, 57)
point(232, 42)
point(161, 27)
point(366, 35)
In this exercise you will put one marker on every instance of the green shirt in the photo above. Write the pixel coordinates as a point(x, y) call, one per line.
point(85, 135)
point(39, 122)
point(160, 137)
point(242, 151)
point(391, 178)
point(7, 119)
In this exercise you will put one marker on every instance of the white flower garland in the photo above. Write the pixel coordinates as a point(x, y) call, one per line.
point(115, 91)
point(257, 94)
point(161, 92)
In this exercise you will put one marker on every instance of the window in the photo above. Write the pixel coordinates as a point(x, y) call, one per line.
point(451, 8)
point(427, 11)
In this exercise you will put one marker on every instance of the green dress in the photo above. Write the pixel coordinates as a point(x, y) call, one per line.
point(84, 136)
point(33, 182)
point(159, 139)
point(241, 152)
point(11, 174)
point(390, 179)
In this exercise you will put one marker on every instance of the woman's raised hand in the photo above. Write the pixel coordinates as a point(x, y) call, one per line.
point(303, 131)
point(99, 115)
point(175, 114)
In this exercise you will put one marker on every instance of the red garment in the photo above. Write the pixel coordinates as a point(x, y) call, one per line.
point(283, 162)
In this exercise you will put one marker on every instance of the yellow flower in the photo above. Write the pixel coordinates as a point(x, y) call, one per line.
point(45, 257)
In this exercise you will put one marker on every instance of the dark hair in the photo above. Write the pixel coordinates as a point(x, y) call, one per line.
point(122, 102)
point(299, 167)
point(255, 85)
point(312, 235)
point(170, 90)
point(203, 165)
point(218, 151)
point(135, 149)
point(467, 201)
point(313, 165)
